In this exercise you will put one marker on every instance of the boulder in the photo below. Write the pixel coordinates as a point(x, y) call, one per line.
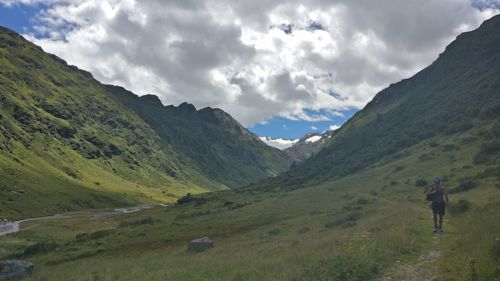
point(200, 245)
point(13, 269)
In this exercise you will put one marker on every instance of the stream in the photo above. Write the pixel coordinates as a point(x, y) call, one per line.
point(15, 226)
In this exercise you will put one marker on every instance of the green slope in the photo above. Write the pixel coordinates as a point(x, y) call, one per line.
point(209, 138)
point(361, 225)
point(458, 92)
point(66, 142)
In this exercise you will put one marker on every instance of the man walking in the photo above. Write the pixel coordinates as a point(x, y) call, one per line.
point(439, 198)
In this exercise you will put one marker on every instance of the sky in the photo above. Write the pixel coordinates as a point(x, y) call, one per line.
point(281, 68)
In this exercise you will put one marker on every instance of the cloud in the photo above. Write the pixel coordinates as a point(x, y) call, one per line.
point(254, 59)
point(333, 127)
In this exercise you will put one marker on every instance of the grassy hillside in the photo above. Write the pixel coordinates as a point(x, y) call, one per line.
point(209, 138)
point(458, 92)
point(67, 143)
point(363, 226)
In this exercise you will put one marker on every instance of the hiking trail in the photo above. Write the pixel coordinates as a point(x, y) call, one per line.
point(424, 269)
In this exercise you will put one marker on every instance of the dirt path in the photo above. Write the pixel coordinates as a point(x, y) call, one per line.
point(424, 269)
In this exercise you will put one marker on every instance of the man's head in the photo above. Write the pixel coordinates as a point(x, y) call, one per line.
point(437, 182)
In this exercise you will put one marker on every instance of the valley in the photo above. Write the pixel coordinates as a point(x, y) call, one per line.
point(118, 185)
point(364, 224)
point(79, 144)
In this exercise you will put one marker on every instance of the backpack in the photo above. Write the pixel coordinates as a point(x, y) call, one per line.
point(429, 196)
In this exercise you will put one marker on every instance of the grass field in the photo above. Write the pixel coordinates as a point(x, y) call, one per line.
point(354, 228)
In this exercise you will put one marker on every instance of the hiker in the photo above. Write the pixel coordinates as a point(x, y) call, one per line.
point(439, 198)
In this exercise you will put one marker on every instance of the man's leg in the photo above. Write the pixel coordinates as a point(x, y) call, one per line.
point(435, 222)
point(441, 215)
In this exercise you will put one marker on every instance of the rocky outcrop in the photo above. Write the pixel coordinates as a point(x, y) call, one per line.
point(14, 269)
point(307, 145)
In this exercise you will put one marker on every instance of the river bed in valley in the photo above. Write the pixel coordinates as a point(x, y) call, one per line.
point(15, 226)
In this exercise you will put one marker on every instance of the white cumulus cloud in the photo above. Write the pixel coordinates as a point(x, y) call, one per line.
point(254, 59)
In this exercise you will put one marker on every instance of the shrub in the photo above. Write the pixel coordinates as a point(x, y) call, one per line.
point(274, 231)
point(486, 152)
point(490, 112)
point(186, 216)
point(347, 221)
point(303, 230)
point(144, 221)
point(236, 206)
point(492, 172)
point(93, 235)
point(362, 201)
point(190, 198)
point(341, 267)
point(354, 216)
point(420, 182)
point(495, 251)
point(468, 140)
point(348, 224)
point(458, 128)
point(461, 207)
point(496, 274)
point(433, 144)
point(39, 248)
point(425, 157)
point(351, 207)
point(472, 275)
point(450, 147)
point(464, 185)
point(333, 223)
point(70, 172)
point(399, 168)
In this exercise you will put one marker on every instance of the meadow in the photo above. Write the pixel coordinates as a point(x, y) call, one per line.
point(359, 227)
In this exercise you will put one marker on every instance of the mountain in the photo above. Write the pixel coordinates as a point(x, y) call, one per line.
point(454, 102)
point(279, 142)
point(69, 142)
point(300, 149)
point(307, 145)
point(215, 143)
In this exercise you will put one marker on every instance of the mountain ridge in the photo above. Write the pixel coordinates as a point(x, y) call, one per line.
point(206, 124)
point(85, 141)
point(307, 145)
point(458, 92)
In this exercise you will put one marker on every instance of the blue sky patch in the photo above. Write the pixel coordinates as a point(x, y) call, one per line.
point(280, 127)
point(486, 4)
point(19, 18)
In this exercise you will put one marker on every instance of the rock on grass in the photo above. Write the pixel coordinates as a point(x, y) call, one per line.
point(200, 245)
point(13, 269)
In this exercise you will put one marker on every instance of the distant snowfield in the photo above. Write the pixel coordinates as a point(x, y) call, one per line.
point(314, 139)
point(279, 142)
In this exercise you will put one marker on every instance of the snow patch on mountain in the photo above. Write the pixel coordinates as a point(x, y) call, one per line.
point(313, 139)
point(278, 142)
